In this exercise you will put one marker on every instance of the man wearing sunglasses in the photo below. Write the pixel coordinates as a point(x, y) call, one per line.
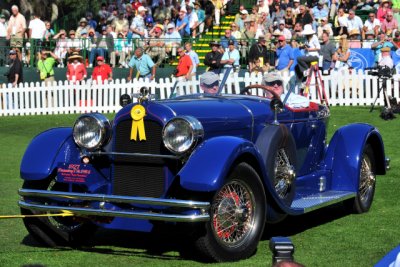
point(274, 82)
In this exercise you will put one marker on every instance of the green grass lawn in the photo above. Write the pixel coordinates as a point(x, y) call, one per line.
point(329, 237)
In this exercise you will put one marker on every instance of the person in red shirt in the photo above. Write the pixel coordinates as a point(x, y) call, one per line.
point(76, 70)
point(102, 71)
point(185, 65)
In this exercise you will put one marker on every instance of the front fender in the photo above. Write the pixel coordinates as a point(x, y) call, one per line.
point(45, 151)
point(211, 162)
point(343, 155)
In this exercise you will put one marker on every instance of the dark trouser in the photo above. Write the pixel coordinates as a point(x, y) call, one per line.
point(303, 63)
point(3, 51)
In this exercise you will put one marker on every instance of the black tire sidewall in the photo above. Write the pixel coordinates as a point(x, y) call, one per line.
point(217, 251)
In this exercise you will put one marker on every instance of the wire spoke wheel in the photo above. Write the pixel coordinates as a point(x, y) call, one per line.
point(233, 213)
point(284, 174)
point(366, 183)
point(237, 217)
point(367, 180)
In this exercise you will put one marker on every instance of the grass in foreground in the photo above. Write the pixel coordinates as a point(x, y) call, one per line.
point(329, 237)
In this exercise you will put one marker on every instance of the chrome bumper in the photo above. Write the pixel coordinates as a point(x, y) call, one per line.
point(202, 207)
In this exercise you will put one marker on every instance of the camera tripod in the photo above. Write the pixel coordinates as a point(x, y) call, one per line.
point(384, 89)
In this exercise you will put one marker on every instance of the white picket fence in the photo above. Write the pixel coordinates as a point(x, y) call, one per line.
point(343, 89)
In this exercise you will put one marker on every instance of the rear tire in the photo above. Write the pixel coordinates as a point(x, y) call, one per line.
point(237, 217)
point(56, 231)
point(366, 185)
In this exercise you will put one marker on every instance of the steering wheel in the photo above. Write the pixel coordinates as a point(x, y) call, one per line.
point(264, 87)
point(276, 102)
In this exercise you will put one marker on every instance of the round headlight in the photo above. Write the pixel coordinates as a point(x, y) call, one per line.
point(181, 134)
point(91, 131)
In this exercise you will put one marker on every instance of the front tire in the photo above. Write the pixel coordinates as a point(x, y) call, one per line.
point(56, 231)
point(237, 217)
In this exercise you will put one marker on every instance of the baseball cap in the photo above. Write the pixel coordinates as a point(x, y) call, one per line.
point(231, 42)
point(281, 38)
point(214, 43)
point(271, 77)
point(170, 26)
point(244, 12)
point(142, 8)
point(100, 58)
point(209, 79)
point(282, 21)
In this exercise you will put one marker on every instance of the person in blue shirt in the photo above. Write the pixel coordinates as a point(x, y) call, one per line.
point(193, 56)
point(143, 64)
point(182, 24)
point(227, 38)
point(284, 54)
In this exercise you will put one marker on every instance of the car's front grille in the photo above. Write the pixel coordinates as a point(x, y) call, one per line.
point(137, 176)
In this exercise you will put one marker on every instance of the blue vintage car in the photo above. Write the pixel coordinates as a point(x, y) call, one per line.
point(219, 167)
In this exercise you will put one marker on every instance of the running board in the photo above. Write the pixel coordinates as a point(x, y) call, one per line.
point(316, 201)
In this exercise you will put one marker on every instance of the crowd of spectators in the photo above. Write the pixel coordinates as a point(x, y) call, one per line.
point(159, 28)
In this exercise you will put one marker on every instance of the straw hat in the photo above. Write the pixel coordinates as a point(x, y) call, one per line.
point(354, 32)
point(75, 55)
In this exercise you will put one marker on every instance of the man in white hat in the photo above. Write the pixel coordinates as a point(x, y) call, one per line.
point(285, 32)
point(274, 82)
point(319, 11)
point(138, 26)
point(182, 24)
point(311, 52)
point(172, 40)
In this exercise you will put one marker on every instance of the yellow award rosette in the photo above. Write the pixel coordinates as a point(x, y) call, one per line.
point(137, 114)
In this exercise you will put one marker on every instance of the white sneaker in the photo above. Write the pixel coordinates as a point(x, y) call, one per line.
point(90, 65)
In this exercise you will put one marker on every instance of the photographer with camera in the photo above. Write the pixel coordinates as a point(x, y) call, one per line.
point(384, 41)
point(45, 66)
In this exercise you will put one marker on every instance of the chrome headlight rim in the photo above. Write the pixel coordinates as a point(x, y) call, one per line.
point(197, 134)
point(105, 131)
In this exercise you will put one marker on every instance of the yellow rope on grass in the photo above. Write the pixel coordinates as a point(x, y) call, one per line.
point(64, 213)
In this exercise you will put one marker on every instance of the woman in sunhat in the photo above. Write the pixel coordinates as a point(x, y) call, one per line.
point(76, 70)
point(311, 49)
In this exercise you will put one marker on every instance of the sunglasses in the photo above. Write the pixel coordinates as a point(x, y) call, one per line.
point(273, 83)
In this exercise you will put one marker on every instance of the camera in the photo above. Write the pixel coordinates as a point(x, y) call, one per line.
point(381, 72)
point(304, 46)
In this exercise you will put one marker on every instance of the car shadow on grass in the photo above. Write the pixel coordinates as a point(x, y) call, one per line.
point(172, 245)
point(293, 225)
